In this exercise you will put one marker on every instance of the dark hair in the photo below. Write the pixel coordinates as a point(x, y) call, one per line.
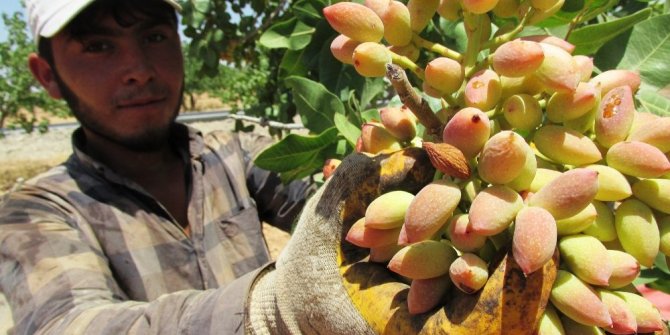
point(125, 12)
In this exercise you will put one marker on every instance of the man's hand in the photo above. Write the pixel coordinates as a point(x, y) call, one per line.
point(324, 285)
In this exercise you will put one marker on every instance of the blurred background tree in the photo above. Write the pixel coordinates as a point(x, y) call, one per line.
point(21, 96)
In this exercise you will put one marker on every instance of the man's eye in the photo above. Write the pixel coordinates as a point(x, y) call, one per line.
point(155, 38)
point(97, 46)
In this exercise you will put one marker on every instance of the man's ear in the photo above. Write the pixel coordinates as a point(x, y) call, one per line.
point(43, 72)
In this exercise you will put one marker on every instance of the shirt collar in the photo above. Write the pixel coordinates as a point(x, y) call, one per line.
point(188, 140)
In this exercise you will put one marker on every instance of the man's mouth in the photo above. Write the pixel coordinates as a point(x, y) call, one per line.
point(141, 102)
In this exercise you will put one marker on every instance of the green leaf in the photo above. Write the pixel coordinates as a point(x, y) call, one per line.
point(301, 36)
point(660, 285)
point(352, 104)
point(296, 151)
point(342, 148)
point(653, 102)
point(461, 37)
point(343, 80)
point(589, 39)
point(647, 48)
point(649, 275)
point(572, 5)
point(648, 51)
point(371, 115)
point(217, 37)
point(197, 18)
point(661, 263)
point(211, 58)
point(320, 43)
point(308, 10)
point(561, 18)
point(450, 33)
point(333, 74)
point(349, 130)
point(291, 34)
point(292, 64)
point(316, 105)
point(434, 103)
point(656, 278)
point(572, 8)
point(372, 89)
point(299, 173)
point(610, 54)
point(201, 6)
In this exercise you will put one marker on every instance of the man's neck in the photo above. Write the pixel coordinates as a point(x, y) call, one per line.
point(133, 164)
point(161, 173)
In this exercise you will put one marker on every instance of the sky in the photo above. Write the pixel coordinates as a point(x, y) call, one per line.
point(9, 7)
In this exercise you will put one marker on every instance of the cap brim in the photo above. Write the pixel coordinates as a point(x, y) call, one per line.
point(70, 10)
point(174, 4)
point(62, 17)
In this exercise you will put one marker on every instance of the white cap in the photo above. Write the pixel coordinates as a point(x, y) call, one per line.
point(48, 17)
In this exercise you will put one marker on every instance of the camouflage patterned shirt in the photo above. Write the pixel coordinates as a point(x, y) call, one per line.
point(84, 250)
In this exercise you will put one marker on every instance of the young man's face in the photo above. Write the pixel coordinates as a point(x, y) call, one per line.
point(124, 84)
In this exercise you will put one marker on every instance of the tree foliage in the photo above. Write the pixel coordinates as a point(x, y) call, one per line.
point(20, 94)
point(293, 42)
point(231, 85)
point(224, 41)
point(224, 30)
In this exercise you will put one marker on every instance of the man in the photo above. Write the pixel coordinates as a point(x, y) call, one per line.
point(149, 225)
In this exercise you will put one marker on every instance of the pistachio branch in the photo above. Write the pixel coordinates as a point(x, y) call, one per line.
point(413, 100)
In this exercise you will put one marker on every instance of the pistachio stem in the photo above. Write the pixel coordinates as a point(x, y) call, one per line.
point(494, 43)
point(407, 63)
point(479, 66)
point(436, 48)
point(577, 20)
point(473, 24)
point(450, 100)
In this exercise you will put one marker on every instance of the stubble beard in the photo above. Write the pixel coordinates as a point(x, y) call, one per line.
point(152, 138)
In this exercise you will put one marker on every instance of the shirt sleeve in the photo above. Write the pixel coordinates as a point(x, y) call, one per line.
point(58, 282)
point(278, 203)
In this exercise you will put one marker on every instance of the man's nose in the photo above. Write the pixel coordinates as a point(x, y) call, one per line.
point(138, 68)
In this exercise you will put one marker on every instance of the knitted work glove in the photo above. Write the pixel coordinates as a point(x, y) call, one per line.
point(322, 284)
